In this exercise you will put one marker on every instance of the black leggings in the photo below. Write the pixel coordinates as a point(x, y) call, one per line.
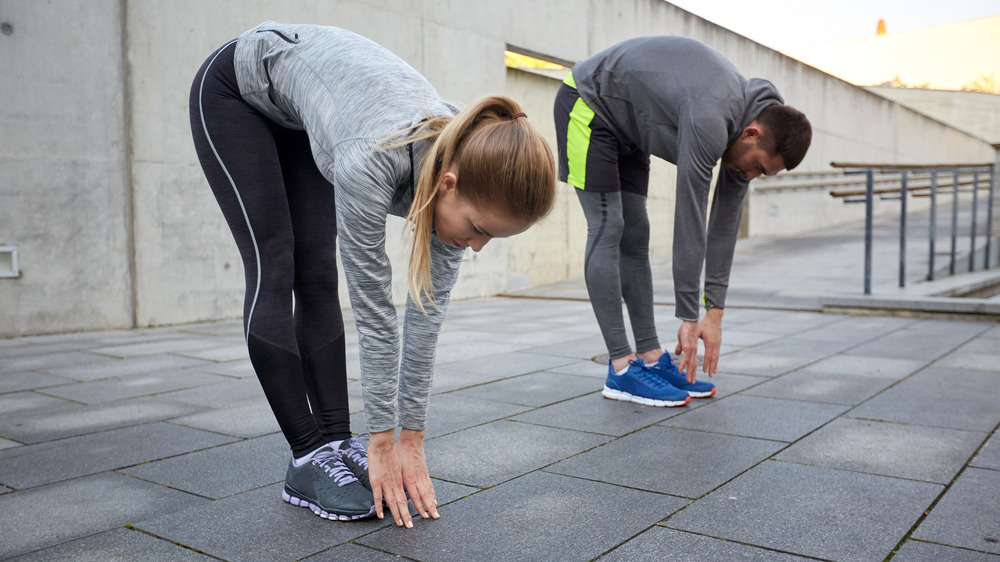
point(281, 211)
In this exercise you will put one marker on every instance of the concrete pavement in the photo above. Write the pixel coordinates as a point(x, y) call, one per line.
point(832, 436)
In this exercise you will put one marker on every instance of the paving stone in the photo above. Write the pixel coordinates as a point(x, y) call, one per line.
point(523, 508)
point(37, 428)
point(754, 416)
point(748, 362)
point(595, 414)
point(792, 347)
point(582, 368)
point(238, 369)
point(119, 545)
point(962, 359)
point(221, 471)
point(669, 461)
point(936, 396)
point(38, 518)
point(7, 443)
point(459, 352)
point(904, 345)
point(45, 361)
point(890, 449)
point(989, 455)
point(29, 380)
point(967, 514)
point(108, 367)
point(447, 413)
point(256, 525)
point(223, 394)
point(918, 551)
point(585, 348)
point(179, 346)
point(352, 551)
point(811, 511)
point(27, 403)
point(885, 367)
point(815, 386)
point(247, 419)
point(789, 323)
point(221, 352)
point(536, 389)
point(659, 543)
point(745, 338)
point(131, 386)
point(489, 454)
point(34, 465)
point(505, 365)
point(854, 330)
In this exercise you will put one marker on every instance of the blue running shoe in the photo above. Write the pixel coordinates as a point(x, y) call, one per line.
point(640, 385)
point(666, 370)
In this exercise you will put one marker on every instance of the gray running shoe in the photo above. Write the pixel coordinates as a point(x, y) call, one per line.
point(327, 487)
point(355, 457)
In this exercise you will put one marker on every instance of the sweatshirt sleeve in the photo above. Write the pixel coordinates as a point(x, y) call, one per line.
point(700, 143)
point(723, 229)
point(420, 336)
point(364, 180)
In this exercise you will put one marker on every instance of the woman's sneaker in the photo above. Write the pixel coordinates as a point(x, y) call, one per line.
point(638, 384)
point(666, 370)
point(355, 457)
point(327, 487)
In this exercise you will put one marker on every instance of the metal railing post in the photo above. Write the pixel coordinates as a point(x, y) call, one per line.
point(989, 214)
point(902, 230)
point(972, 232)
point(933, 225)
point(954, 222)
point(869, 194)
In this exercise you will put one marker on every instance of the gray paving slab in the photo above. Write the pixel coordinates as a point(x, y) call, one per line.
point(221, 352)
point(237, 369)
point(37, 428)
point(811, 511)
point(967, 514)
point(503, 365)
point(755, 416)
point(890, 449)
point(131, 386)
point(815, 386)
point(223, 394)
point(936, 396)
point(582, 368)
point(185, 345)
point(586, 347)
point(525, 507)
point(7, 443)
point(222, 471)
point(49, 515)
point(903, 345)
point(886, 367)
point(496, 452)
point(27, 403)
point(854, 330)
point(247, 418)
point(962, 358)
point(919, 551)
point(790, 322)
point(659, 543)
point(119, 545)
point(535, 389)
point(107, 367)
point(29, 380)
point(796, 347)
point(34, 465)
point(669, 461)
point(749, 362)
point(448, 413)
point(596, 414)
point(989, 455)
point(256, 525)
point(352, 551)
point(44, 361)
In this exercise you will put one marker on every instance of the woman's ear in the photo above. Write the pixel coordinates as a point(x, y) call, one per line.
point(448, 182)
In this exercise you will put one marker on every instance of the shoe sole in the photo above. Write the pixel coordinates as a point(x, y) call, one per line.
point(296, 501)
point(701, 394)
point(612, 394)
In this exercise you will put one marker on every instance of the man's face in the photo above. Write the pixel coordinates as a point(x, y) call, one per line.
point(748, 157)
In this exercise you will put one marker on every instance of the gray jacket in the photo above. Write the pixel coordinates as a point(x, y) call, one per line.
point(678, 99)
point(348, 93)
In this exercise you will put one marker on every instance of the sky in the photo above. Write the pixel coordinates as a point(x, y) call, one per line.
point(788, 24)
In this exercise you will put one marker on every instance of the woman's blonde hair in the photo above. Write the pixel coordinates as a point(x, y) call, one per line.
point(502, 162)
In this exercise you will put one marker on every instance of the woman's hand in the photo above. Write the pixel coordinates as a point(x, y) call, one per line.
point(410, 450)
point(386, 478)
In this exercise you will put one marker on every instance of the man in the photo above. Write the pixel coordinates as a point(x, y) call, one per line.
point(682, 101)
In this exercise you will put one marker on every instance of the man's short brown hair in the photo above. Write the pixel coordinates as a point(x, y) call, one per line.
point(790, 132)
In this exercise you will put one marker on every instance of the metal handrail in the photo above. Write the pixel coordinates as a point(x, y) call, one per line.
point(956, 170)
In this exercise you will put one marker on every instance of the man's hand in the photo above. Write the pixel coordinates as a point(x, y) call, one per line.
point(385, 474)
point(709, 330)
point(416, 480)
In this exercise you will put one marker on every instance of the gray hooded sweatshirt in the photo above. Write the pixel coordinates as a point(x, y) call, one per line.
point(680, 100)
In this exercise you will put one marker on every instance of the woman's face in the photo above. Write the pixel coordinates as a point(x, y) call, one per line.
point(461, 223)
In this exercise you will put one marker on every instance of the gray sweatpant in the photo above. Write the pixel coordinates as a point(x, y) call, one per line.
point(617, 266)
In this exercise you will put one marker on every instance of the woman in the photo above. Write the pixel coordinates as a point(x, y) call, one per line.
point(307, 133)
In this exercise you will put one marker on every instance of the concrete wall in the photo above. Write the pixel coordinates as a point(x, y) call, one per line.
point(116, 226)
